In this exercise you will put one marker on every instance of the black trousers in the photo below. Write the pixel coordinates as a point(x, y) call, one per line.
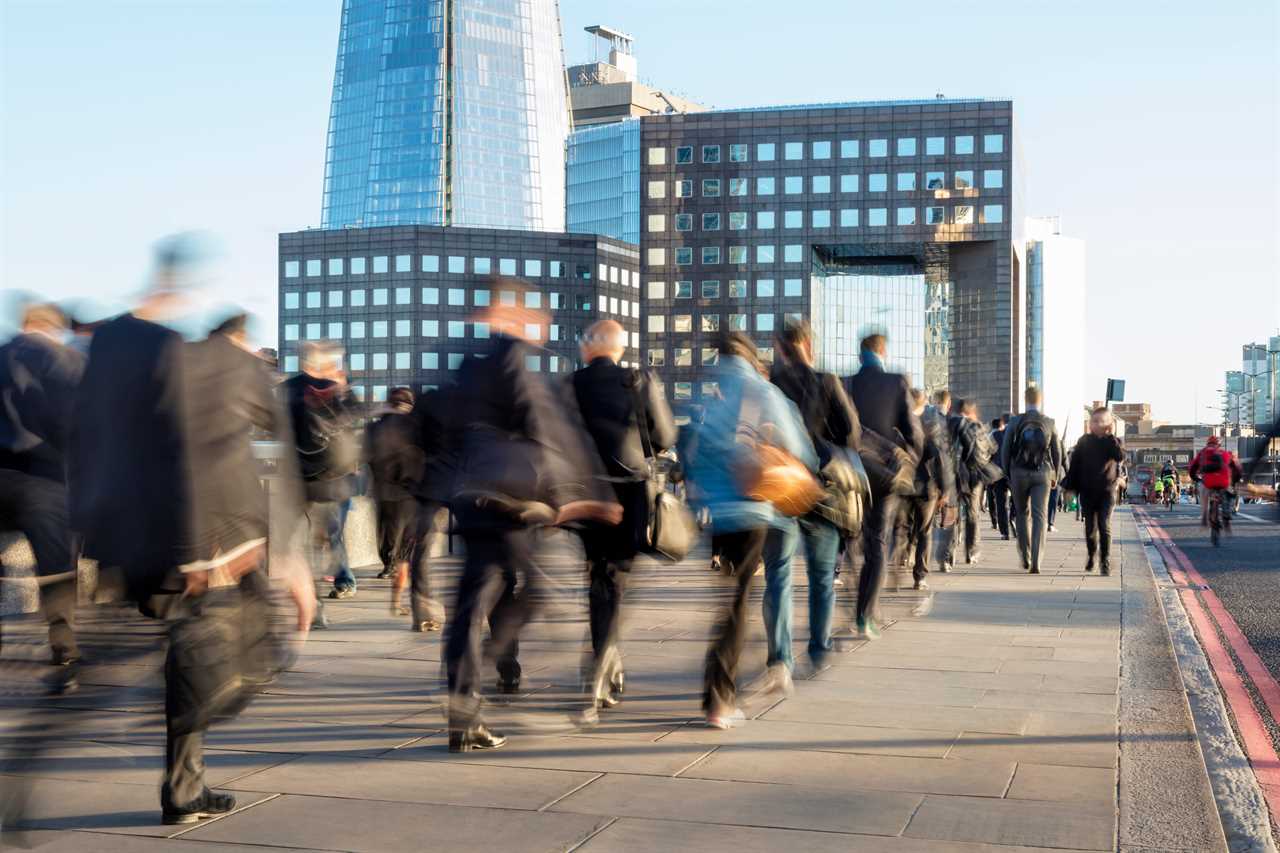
point(498, 585)
point(877, 527)
point(998, 502)
point(1097, 523)
point(967, 527)
point(397, 527)
point(37, 508)
point(916, 517)
point(609, 565)
point(740, 555)
point(432, 522)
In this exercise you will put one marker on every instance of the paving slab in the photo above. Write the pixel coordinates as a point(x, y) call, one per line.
point(1077, 825)
point(1063, 784)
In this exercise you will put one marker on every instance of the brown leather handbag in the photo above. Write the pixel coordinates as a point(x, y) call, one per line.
point(766, 472)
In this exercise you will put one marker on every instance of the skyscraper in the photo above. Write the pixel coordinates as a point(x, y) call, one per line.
point(447, 112)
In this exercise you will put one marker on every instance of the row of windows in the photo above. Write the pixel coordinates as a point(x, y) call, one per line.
point(684, 323)
point(877, 182)
point(822, 149)
point(736, 289)
point(480, 298)
point(456, 264)
point(739, 220)
point(683, 356)
point(428, 361)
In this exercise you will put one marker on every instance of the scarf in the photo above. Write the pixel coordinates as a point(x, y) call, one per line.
point(870, 359)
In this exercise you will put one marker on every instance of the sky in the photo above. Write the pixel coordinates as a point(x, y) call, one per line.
point(1150, 128)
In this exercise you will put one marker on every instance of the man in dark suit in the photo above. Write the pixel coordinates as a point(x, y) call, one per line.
point(395, 464)
point(38, 381)
point(883, 403)
point(616, 404)
point(432, 491)
point(1031, 456)
point(998, 492)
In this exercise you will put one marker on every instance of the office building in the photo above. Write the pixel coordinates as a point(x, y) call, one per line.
point(1056, 323)
point(1251, 397)
point(602, 176)
point(400, 299)
point(447, 112)
point(901, 216)
point(603, 91)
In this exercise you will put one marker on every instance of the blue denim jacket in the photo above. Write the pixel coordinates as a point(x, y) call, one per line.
point(712, 469)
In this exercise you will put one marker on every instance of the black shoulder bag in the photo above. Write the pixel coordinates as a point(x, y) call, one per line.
point(669, 531)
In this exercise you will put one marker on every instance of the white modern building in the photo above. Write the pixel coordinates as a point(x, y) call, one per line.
point(1056, 323)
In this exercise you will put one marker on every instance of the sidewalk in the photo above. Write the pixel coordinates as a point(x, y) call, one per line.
point(987, 715)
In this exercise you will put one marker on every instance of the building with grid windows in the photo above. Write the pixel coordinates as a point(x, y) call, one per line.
point(900, 216)
point(400, 299)
point(447, 112)
point(1056, 323)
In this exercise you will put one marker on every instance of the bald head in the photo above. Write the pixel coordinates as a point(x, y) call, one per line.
point(604, 339)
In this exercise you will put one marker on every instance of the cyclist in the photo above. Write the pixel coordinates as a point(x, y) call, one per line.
point(1217, 470)
point(1169, 475)
point(1157, 490)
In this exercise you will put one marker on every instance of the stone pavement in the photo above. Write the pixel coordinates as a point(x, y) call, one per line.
point(985, 719)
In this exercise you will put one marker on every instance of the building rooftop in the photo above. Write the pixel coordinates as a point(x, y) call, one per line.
point(840, 105)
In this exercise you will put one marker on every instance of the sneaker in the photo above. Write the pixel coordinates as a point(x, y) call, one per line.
point(868, 631)
point(839, 581)
point(776, 681)
point(208, 804)
point(1033, 571)
point(1005, 537)
point(723, 720)
point(946, 568)
point(342, 592)
point(426, 626)
point(1053, 528)
point(474, 738)
point(973, 558)
point(385, 573)
point(922, 585)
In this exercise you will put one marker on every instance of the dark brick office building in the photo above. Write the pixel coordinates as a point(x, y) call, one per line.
point(398, 299)
point(897, 215)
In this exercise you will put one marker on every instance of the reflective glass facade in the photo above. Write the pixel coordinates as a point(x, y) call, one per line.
point(447, 112)
point(854, 306)
point(602, 181)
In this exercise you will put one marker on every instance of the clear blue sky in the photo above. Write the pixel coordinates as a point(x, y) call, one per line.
point(1150, 127)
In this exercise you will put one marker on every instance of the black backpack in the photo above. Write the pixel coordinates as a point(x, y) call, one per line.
point(1031, 443)
point(333, 450)
point(1213, 462)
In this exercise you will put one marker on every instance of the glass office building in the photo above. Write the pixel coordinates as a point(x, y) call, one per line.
point(602, 181)
point(447, 112)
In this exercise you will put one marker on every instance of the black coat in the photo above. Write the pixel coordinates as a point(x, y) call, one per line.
point(38, 381)
point(883, 404)
point(395, 459)
point(606, 399)
point(936, 475)
point(1053, 465)
point(130, 473)
point(824, 406)
point(305, 395)
point(1095, 464)
point(972, 451)
point(438, 442)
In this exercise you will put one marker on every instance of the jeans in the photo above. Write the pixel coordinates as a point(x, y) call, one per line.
point(740, 553)
point(1097, 523)
point(998, 498)
point(1054, 495)
point(821, 550)
point(1030, 491)
point(327, 520)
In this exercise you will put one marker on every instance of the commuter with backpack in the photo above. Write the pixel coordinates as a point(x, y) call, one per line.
point(1032, 455)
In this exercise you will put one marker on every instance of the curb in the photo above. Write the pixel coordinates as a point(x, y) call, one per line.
point(1242, 808)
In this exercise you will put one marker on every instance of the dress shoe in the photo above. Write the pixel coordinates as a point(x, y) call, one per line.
point(476, 737)
point(1106, 569)
point(1088, 566)
point(1033, 571)
point(208, 804)
point(386, 573)
point(508, 687)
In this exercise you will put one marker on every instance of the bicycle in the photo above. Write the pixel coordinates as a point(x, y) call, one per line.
point(1219, 516)
point(1170, 497)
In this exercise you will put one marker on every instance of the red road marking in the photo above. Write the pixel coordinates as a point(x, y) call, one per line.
point(1256, 740)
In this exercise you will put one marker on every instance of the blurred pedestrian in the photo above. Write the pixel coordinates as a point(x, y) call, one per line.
point(1030, 455)
point(39, 375)
point(884, 408)
point(432, 492)
point(395, 464)
point(1094, 471)
point(935, 488)
point(972, 453)
point(624, 411)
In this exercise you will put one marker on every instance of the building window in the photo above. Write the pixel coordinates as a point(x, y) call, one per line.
point(335, 298)
point(533, 299)
point(313, 299)
point(764, 185)
point(684, 154)
point(738, 322)
point(684, 290)
point(738, 220)
point(849, 217)
point(657, 323)
point(682, 323)
point(906, 182)
point(507, 266)
point(710, 322)
point(848, 149)
point(906, 216)
point(684, 221)
point(992, 179)
point(457, 264)
point(430, 361)
point(963, 145)
point(711, 290)
point(335, 331)
point(532, 268)
point(657, 358)
point(710, 355)
point(404, 328)
point(682, 357)
point(430, 296)
point(793, 151)
point(877, 217)
point(379, 264)
point(878, 148)
point(379, 361)
point(764, 322)
point(993, 143)
point(657, 156)
point(657, 290)
point(404, 295)
point(313, 268)
point(379, 328)
point(684, 189)
point(657, 189)
point(935, 216)
point(793, 184)
point(357, 361)
point(480, 331)
point(737, 254)
point(402, 361)
point(682, 390)
point(657, 223)
point(765, 219)
point(764, 288)
point(431, 328)
point(455, 360)
point(792, 253)
point(291, 301)
point(684, 256)
point(964, 214)
point(793, 287)
point(711, 153)
point(457, 296)
point(557, 269)
point(821, 219)
point(711, 188)
point(964, 179)
point(710, 222)
point(711, 254)
point(765, 151)
point(848, 183)
point(356, 330)
point(935, 146)
point(821, 150)
point(335, 266)
point(290, 269)
point(456, 329)
point(820, 184)
point(935, 180)
point(357, 266)
point(992, 213)
point(404, 263)
point(737, 186)
point(793, 219)
point(738, 153)
point(430, 263)
point(877, 182)
point(907, 147)
point(656, 257)
point(291, 331)
point(765, 254)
